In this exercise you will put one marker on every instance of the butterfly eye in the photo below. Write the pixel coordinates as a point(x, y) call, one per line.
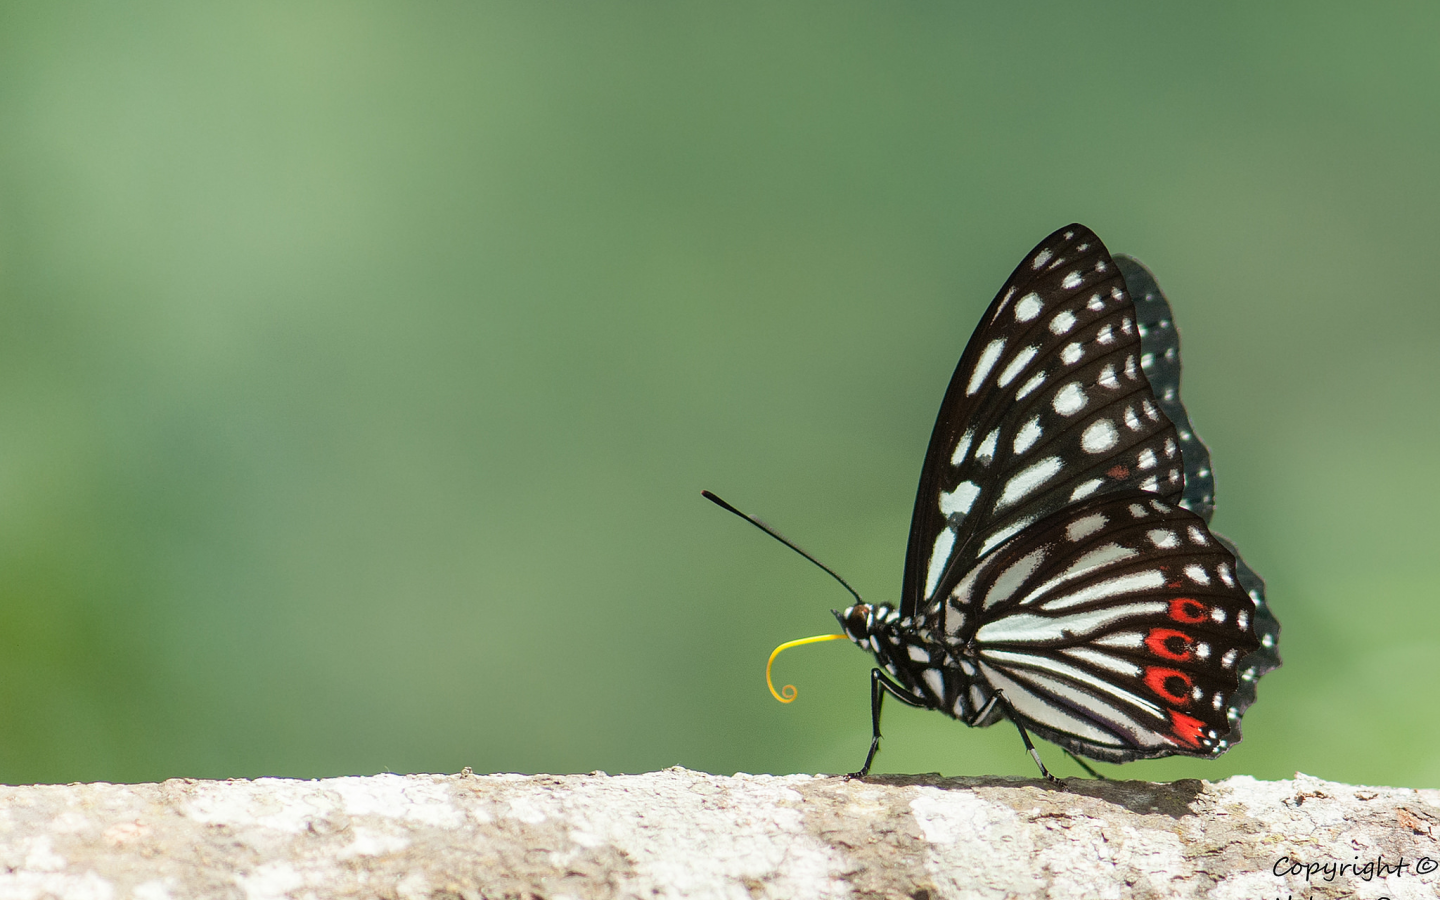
point(857, 620)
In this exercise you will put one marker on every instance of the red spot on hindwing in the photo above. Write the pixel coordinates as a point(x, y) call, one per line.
point(1167, 643)
point(1185, 729)
point(1172, 684)
point(1119, 472)
point(1191, 612)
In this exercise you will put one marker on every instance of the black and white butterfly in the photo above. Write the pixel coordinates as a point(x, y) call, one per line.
point(1060, 571)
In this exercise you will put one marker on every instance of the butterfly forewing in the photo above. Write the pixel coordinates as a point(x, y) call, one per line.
point(1048, 406)
point(1116, 628)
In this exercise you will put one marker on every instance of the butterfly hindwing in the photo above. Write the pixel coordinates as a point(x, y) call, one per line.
point(1048, 406)
point(1160, 359)
point(1116, 628)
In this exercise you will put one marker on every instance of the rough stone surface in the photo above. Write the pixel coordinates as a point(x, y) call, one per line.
point(688, 834)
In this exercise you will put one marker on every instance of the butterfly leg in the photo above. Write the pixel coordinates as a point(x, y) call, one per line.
point(1024, 735)
point(879, 686)
point(1086, 766)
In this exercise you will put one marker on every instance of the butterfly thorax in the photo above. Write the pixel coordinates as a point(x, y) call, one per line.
point(937, 672)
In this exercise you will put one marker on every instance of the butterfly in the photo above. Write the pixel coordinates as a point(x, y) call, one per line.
point(1061, 572)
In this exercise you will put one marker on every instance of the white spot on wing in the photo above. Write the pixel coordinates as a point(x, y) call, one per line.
point(1197, 574)
point(1017, 365)
point(1041, 258)
point(939, 556)
point(1072, 281)
point(986, 452)
point(1071, 353)
point(1083, 527)
point(1063, 322)
point(988, 356)
point(1028, 308)
point(959, 500)
point(1099, 437)
point(1085, 489)
point(1163, 538)
point(1069, 400)
point(962, 448)
point(1147, 458)
point(1107, 378)
point(936, 682)
point(1027, 480)
point(1028, 434)
point(1035, 381)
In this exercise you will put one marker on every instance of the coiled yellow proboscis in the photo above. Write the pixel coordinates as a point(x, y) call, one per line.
point(787, 693)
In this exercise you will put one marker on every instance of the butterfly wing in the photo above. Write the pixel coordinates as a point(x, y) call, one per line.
point(1160, 360)
point(1048, 405)
point(1116, 628)
point(1267, 631)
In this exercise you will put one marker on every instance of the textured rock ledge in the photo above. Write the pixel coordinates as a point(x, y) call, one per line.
point(688, 834)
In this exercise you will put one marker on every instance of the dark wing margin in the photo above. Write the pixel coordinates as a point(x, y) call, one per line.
point(1160, 358)
point(1048, 406)
point(1267, 630)
point(1160, 345)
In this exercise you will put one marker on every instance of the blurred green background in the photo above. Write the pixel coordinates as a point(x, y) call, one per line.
point(361, 364)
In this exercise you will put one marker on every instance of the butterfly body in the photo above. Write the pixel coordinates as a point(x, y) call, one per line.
point(1060, 571)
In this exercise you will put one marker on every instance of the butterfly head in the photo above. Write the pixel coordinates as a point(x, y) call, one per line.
point(858, 623)
point(870, 627)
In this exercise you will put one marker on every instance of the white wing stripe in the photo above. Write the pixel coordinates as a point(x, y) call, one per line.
point(1027, 480)
point(944, 543)
point(1017, 365)
point(984, 365)
point(1103, 661)
point(1013, 578)
point(1037, 708)
point(1096, 559)
point(1080, 676)
point(1024, 628)
point(1125, 584)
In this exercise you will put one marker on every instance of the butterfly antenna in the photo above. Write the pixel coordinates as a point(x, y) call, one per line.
point(784, 540)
